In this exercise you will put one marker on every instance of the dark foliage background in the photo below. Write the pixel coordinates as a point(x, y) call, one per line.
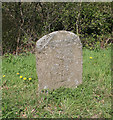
point(24, 23)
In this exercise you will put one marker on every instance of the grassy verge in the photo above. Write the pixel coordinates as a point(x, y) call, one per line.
point(92, 99)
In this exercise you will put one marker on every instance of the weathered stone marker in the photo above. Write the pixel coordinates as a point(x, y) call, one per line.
point(59, 60)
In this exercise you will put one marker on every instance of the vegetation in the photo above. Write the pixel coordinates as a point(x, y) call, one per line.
point(24, 23)
point(92, 99)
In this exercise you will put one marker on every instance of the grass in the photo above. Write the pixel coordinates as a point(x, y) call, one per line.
point(91, 99)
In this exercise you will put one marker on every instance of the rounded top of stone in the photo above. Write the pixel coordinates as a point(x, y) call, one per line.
point(62, 34)
point(62, 31)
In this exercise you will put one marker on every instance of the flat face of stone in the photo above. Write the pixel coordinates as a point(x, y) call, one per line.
point(59, 60)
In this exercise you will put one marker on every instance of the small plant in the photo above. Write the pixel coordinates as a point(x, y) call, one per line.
point(89, 100)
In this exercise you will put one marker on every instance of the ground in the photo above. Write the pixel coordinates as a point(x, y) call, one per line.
point(91, 99)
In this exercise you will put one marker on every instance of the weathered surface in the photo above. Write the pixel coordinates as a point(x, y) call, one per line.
point(59, 60)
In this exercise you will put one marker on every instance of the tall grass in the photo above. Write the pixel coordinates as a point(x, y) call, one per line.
point(91, 99)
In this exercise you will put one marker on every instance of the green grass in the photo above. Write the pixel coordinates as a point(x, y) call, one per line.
point(91, 99)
